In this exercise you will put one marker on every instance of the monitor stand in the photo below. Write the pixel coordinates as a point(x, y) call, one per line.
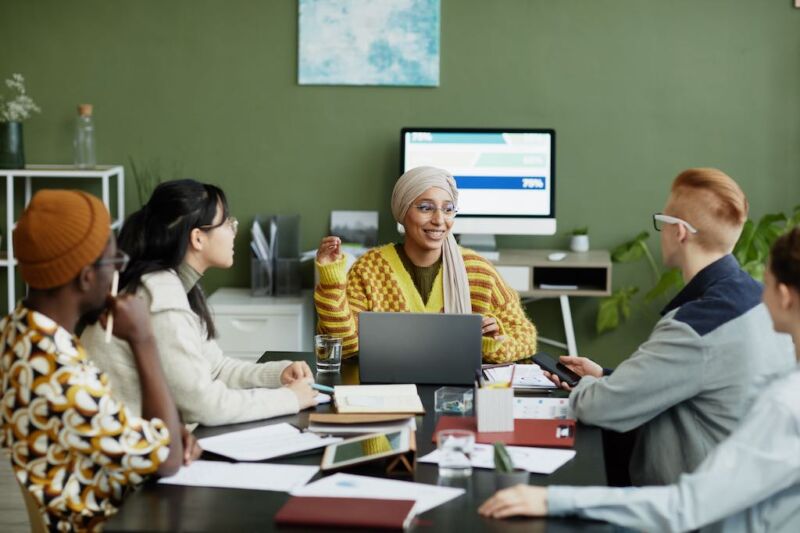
point(485, 245)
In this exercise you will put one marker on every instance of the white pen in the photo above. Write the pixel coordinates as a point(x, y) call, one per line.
point(110, 322)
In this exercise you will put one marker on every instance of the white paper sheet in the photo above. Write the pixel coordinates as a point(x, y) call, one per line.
point(283, 478)
point(536, 460)
point(525, 376)
point(264, 442)
point(349, 486)
point(551, 408)
point(323, 398)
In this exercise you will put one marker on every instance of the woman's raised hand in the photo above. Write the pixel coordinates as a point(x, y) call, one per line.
point(330, 250)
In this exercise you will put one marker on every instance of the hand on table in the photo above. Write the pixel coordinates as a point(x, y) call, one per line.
point(521, 500)
point(306, 396)
point(295, 371)
point(191, 448)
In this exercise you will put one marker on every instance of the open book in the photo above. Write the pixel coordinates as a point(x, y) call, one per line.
point(377, 399)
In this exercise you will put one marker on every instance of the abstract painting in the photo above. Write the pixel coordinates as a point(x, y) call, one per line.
point(369, 42)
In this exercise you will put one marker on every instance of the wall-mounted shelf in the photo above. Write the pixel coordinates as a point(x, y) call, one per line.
point(534, 276)
point(102, 172)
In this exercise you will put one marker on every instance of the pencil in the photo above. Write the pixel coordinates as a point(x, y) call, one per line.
point(114, 288)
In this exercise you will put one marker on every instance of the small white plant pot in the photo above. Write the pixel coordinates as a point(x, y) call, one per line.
point(579, 243)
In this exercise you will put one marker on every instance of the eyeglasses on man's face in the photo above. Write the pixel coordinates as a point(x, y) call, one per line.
point(660, 219)
point(428, 209)
point(231, 222)
point(119, 261)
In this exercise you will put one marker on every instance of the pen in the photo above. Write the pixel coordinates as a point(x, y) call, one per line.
point(322, 388)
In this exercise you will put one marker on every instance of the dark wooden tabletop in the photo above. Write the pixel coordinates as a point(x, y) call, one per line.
point(178, 508)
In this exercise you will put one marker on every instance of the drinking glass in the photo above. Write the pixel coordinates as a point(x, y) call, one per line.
point(455, 452)
point(329, 353)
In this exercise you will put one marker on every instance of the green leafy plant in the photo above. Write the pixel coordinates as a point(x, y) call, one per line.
point(502, 461)
point(752, 252)
point(580, 231)
point(148, 176)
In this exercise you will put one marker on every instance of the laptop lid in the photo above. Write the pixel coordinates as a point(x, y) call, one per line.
point(423, 348)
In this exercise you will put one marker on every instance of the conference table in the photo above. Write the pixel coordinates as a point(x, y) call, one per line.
point(159, 507)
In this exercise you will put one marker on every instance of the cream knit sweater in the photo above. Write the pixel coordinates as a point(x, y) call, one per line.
point(207, 386)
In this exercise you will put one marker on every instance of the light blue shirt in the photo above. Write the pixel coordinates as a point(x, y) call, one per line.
point(749, 483)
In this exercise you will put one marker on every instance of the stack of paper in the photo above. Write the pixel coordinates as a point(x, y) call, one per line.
point(349, 486)
point(284, 478)
point(265, 442)
point(536, 460)
point(377, 399)
point(526, 377)
point(343, 424)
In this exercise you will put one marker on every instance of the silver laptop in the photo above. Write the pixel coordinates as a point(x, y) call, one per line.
point(425, 348)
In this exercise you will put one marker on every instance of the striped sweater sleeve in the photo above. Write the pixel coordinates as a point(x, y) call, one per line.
point(517, 333)
point(339, 298)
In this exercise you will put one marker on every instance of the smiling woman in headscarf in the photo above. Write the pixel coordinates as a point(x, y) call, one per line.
point(427, 273)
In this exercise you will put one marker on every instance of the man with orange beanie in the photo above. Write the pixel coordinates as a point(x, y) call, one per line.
point(74, 448)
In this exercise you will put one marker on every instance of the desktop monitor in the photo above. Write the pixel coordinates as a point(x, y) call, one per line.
point(505, 177)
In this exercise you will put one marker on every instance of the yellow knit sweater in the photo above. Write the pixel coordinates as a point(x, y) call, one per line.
point(379, 282)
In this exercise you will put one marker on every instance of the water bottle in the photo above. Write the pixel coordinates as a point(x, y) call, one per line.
point(83, 145)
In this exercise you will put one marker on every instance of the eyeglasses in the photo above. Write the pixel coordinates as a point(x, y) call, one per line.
point(659, 219)
point(232, 222)
point(120, 261)
point(428, 209)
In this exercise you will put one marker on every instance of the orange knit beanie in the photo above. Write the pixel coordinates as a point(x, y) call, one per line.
point(58, 234)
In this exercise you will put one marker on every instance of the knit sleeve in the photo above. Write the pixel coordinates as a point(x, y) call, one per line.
point(517, 339)
point(339, 298)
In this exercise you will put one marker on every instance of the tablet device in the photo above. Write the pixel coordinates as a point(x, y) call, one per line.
point(365, 448)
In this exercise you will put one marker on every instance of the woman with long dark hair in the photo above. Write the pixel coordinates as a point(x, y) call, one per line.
point(183, 230)
point(750, 482)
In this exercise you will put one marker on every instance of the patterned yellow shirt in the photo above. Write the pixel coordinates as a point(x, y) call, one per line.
point(75, 448)
point(378, 281)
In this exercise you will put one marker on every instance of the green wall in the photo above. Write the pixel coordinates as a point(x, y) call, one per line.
point(636, 89)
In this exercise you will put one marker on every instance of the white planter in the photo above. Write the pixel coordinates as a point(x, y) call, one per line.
point(579, 243)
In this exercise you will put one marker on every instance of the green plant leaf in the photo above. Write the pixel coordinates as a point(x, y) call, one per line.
point(580, 231)
point(671, 279)
point(614, 306)
point(607, 315)
point(630, 251)
point(502, 460)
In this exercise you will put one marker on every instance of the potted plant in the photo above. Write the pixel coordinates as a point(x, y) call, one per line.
point(505, 474)
point(579, 239)
point(12, 113)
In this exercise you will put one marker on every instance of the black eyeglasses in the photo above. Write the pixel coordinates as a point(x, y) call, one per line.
point(233, 222)
point(120, 261)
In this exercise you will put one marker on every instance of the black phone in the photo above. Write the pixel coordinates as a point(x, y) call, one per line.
point(546, 362)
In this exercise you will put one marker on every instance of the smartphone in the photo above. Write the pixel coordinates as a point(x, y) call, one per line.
point(546, 362)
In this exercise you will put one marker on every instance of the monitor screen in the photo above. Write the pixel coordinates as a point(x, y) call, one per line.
point(506, 175)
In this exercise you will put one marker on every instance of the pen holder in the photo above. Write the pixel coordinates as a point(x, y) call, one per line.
point(260, 277)
point(494, 409)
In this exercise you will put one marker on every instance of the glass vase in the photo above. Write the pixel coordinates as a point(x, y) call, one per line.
point(12, 152)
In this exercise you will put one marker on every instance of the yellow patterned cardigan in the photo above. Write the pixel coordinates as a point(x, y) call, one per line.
point(378, 281)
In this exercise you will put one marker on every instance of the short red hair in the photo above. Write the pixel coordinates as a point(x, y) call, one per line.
point(714, 203)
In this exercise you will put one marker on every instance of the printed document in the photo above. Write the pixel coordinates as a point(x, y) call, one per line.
point(283, 478)
point(552, 408)
point(350, 486)
point(265, 442)
point(536, 460)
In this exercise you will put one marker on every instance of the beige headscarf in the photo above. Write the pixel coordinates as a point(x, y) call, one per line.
point(454, 276)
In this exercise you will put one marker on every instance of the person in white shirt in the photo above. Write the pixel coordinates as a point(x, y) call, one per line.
point(749, 483)
point(183, 230)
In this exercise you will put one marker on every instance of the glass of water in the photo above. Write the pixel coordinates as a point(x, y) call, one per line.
point(329, 353)
point(455, 452)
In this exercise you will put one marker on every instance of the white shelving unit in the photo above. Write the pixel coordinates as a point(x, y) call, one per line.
point(102, 172)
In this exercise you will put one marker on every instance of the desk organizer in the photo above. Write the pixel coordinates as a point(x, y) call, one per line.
point(494, 409)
